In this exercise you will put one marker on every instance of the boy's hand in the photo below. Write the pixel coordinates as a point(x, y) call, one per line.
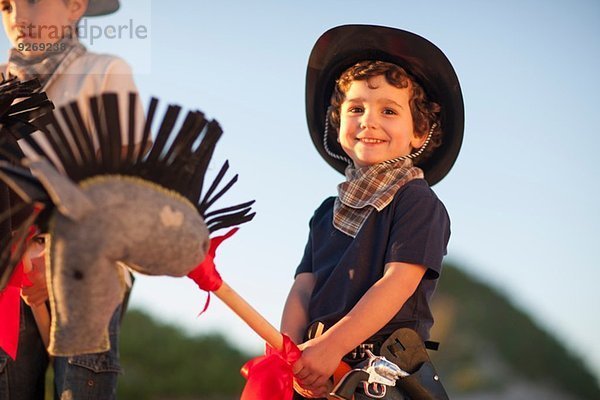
point(318, 393)
point(35, 269)
point(318, 363)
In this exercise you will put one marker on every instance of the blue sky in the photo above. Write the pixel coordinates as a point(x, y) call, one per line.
point(521, 196)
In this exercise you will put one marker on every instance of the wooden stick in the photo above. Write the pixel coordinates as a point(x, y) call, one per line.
point(246, 312)
point(260, 325)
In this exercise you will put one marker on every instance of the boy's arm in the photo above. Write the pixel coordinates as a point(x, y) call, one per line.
point(294, 320)
point(376, 308)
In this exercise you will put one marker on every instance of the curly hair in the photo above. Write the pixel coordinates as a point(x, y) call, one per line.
point(424, 112)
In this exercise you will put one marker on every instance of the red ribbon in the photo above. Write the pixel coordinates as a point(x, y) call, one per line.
point(10, 304)
point(206, 275)
point(10, 310)
point(270, 377)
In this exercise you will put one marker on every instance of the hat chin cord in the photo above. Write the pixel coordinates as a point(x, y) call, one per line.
point(416, 153)
point(326, 145)
point(350, 162)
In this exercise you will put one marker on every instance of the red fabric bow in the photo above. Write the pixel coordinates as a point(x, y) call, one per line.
point(206, 275)
point(10, 310)
point(10, 303)
point(270, 377)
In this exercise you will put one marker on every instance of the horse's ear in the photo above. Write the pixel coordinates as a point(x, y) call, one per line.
point(67, 197)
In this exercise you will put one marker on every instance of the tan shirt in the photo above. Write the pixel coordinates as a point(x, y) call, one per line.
point(90, 75)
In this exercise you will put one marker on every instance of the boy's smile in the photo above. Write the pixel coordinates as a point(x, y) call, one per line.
point(376, 122)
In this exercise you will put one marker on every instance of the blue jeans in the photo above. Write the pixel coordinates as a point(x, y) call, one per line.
point(23, 379)
point(90, 376)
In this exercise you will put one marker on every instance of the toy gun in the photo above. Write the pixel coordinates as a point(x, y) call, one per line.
point(375, 377)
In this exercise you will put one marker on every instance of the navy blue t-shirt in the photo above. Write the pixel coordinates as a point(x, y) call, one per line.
point(414, 228)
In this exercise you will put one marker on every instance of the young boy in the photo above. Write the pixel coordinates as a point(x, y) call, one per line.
point(46, 47)
point(383, 105)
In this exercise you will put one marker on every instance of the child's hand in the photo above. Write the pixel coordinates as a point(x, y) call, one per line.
point(318, 363)
point(35, 269)
point(314, 394)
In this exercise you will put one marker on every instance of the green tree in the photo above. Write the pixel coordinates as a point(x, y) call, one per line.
point(161, 362)
point(484, 323)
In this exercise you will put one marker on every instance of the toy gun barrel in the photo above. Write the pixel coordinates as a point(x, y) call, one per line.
point(375, 376)
point(347, 385)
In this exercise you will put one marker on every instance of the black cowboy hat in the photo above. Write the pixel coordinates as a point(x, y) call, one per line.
point(341, 47)
point(101, 7)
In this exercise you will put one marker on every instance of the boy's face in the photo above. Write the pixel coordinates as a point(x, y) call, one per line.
point(28, 22)
point(376, 122)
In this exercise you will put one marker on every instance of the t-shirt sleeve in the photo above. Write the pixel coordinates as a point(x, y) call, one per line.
point(306, 264)
point(420, 231)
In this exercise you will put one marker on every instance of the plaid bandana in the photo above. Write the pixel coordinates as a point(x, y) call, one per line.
point(48, 65)
point(369, 188)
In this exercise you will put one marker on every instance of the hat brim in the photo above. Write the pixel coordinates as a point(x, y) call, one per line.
point(343, 46)
point(97, 8)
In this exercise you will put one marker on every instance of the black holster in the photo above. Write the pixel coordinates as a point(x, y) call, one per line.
point(406, 349)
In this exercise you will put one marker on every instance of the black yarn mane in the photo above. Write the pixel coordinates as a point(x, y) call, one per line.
point(20, 104)
point(177, 159)
point(17, 117)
